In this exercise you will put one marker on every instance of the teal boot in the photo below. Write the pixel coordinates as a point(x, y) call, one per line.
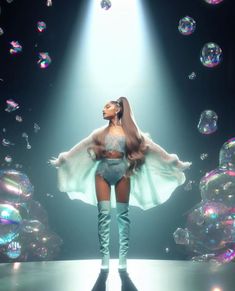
point(104, 218)
point(122, 215)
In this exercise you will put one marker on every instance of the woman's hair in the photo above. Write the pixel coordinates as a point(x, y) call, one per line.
point(135, 142)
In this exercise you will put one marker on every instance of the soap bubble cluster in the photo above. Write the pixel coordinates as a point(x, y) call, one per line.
point(24, 230)
point(210, 226)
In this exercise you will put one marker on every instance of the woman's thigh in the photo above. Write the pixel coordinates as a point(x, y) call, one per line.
point(103, 188)
point(122, 190)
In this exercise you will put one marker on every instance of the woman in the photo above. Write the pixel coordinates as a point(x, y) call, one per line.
point(118, 154)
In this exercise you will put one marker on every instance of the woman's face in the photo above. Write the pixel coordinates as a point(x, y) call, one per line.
point(109, 110)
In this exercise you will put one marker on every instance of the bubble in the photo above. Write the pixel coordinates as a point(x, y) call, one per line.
point(44, 60)
point(167, 250)
point(10, 220)
point(227, 154)
point(187, 25)
point(4, 130)
point(8, 159)
point(15, 186)
point(19, 118)
point(218, 185)
point(1, 31)
point(36, 127)
point(49, 3)
point(202, 224)
point(211, 55)
point(41, 25)
point(6, 142)
point(181, 236)
point(15, 47)
point(11, 105)
point(13, 250)
point(32, 226)
point(208, 122)
point(192, 76)
point(203, 156)
point(10, 1)
point(213, 2)
point(105, 4)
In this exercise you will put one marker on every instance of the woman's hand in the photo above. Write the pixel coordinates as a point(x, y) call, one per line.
point(57, 162)
point(183, 165)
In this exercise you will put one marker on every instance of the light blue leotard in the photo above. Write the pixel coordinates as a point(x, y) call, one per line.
point(112, 170)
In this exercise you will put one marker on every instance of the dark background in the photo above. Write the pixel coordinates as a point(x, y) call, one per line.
point(32, 88)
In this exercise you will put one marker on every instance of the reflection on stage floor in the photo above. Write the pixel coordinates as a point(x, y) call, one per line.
point(142, 275)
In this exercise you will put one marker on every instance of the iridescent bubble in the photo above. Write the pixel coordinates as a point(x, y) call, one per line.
point(44, 60)
point(15, 186)
point(203, 156)
point(218, 185)
point(192, 76)
point(46, 245)
point(15, 47)
point(13, 250)
point(32, 226)
point(211, 55)
point(10, 220)
point(213, 2)
point(105, 4)
point(181, 236)
point(1, 31)
point(37, 211)
point(11, 105)
point(202, 223)
point(208, 122)
point(227, 154)
point(8, 159)
point(187, 25)
point(6, 142)
point(19, 118)
point(41, 25)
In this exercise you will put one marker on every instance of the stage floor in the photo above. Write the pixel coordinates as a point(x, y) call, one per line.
point(143, 275)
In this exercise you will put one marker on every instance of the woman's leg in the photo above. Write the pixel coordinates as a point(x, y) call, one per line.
point(104, 218)
point(122, 189)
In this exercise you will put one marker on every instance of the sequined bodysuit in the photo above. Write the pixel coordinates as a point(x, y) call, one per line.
point(112, 170)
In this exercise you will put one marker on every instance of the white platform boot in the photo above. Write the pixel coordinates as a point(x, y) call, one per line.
point(104, 218)
point(122, 215)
